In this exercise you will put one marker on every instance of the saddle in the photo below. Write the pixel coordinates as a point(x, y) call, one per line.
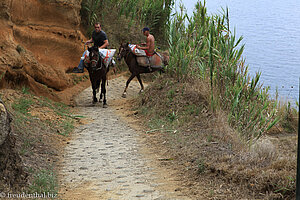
point(154, 61)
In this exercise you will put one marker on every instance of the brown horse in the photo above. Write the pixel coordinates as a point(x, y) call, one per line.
point(135, 69)
point(98, 73)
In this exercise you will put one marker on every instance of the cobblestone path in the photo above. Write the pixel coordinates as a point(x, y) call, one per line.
point(103, 160)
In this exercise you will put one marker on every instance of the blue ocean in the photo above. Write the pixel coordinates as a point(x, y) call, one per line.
point(271, 32)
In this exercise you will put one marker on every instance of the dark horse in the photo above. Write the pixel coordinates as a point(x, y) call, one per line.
point(98, 73)
point(135, 69)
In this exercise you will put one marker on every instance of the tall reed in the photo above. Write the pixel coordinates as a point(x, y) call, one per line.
point(154, 14)
point(204, 46)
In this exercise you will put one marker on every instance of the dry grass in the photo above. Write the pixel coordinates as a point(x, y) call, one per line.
point(39, 127)
point(208, 151)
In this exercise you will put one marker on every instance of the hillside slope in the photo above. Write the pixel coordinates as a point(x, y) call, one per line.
point(39, 42)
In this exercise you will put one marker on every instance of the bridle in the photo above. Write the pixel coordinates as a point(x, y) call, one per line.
point(125, 55)
point(96, 61)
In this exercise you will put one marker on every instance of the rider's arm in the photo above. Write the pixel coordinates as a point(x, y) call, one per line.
point(147, 45)
point(89, 41)
point(104, 45)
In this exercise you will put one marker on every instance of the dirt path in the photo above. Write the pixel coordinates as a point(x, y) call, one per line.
point(106, 158)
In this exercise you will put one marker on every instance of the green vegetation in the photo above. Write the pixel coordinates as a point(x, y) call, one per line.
point(205, 48)
point(77, 79)
point(27, 144)
point(201, 166)
point(154, 14)
point(64, 126)
point(67, 128)
point(289, 187)
point(206, 82)
point(288, 116)
point(22, 105)
point(38, 122)
point(44, 182)
point(25, 90)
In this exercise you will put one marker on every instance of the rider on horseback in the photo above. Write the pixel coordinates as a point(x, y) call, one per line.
point(150, 59)
point(99, 39)
point(150, 42)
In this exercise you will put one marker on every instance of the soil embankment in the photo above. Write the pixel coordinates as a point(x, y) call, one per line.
point(39, 42)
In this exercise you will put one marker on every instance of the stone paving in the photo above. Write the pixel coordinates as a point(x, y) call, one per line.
point(106, 152)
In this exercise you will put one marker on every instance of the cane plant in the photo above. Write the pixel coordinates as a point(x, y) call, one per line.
point(204, 46)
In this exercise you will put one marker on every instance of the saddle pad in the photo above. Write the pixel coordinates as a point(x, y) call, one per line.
point(136, 51)
point(106, 55)
point(144, 61)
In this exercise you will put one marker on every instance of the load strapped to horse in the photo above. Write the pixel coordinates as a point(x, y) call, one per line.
point(105, 54)
point(147, 60)
point(97, 62)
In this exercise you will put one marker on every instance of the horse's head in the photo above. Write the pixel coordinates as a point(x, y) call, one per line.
point(123, 51)
point(94, 57)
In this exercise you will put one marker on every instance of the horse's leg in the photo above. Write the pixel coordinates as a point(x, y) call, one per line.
point(94, 93)
point(98, 85)
point(127, 84)
point(103, 91)
point(101, 96)
point(141, 83)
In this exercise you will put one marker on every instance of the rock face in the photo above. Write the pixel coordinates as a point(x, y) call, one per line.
point(11, 167)
point(39, 41)
point(5, 120)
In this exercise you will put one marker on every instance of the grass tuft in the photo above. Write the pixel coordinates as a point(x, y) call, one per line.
point(44, 182)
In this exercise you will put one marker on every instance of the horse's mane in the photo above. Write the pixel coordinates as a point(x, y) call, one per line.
point(95, 48)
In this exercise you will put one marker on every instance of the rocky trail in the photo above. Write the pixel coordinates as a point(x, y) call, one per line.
point(107, 159)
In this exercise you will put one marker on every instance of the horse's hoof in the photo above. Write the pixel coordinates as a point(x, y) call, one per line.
point(95, 100)
point(124, 95)
point(104, 105)
point(141, 91)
